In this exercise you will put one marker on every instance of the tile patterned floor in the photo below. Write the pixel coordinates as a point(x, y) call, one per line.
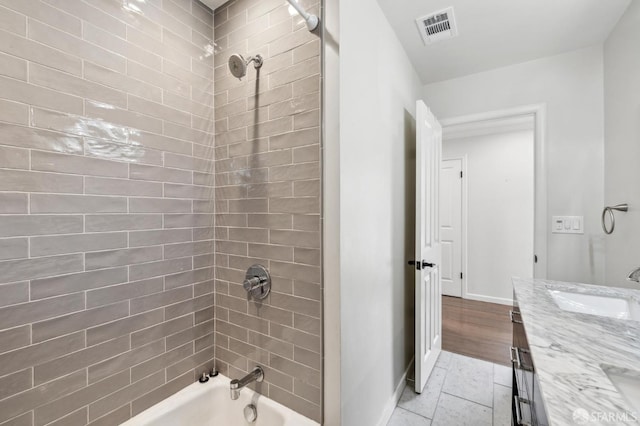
point(460, 391)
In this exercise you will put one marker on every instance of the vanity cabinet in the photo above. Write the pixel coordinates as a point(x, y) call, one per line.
point(527, 407)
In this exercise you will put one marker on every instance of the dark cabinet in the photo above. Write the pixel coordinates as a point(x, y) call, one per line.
point(527, 407)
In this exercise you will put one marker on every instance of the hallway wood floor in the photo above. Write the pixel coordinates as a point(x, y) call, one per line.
point(477, 329)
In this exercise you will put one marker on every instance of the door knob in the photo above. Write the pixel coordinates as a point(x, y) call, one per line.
point(422, 264)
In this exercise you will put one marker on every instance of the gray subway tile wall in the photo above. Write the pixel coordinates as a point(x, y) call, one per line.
point(268, 205)
point(106, 206)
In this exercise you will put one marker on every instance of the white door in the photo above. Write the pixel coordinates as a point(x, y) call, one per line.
point(427, 254)
point(451, 226)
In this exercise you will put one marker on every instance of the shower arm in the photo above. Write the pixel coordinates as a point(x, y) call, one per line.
point(311, 20)
point(257, 61)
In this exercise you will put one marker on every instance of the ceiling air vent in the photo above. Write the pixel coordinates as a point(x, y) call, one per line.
point(437, 26)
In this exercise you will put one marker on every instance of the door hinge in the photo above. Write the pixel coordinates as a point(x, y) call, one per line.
point(535, 258)
point(461, 174)
point(461, 276)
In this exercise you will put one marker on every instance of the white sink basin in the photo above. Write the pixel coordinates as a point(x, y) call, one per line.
point(613, 307)
point(627, 383)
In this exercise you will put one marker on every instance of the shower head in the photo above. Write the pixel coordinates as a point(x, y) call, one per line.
point(238, 65)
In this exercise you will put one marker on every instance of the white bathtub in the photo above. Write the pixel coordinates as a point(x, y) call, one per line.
point(209, 404)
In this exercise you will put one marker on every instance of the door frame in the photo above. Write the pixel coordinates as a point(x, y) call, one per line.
point(539, 113)
point(463, 219)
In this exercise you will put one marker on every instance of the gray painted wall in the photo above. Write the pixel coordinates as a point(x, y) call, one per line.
point(378, 92)
point(622, 143)
point(571, 87)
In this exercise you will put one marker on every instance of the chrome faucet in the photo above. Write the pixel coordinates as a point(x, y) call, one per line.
point(634, 275)
point(257, 375)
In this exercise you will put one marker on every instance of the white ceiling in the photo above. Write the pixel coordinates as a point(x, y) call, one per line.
point(497, 33)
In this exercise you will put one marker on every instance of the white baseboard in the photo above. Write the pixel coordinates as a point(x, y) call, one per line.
point(393, 401)
point(490, 299)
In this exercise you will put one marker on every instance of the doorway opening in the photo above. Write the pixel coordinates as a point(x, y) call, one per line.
point(491, 224)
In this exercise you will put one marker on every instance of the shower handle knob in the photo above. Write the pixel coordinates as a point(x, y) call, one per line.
point(251, 284)
point(257, 282)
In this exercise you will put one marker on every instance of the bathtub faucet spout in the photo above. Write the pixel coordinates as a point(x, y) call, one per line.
point(256, 375)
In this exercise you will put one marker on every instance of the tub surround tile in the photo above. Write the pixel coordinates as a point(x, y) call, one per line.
point(293, 401)
point(72, 362)
point(11, 294)
point(36, 396)
point(155, 364)
point(25, 313)
point(48, 14)
point(115, 417)
point(15, 383)
point(19, 91)
point(16, 270)
point(13, 248)
point(77, 417)
point(105, 259)
point(27, 181)
point(62, 325)
point(162, 330)
point(140, 404)
point(201, 329)
point(73, 283)
point(123, 327)
point(108, 186)
point(568, 359)
point(11, 203)
point(268, 203)
point(148, 238)
point(109, 141)
point(74, 164)
point(13, 67)
point(14, 338)
point(106, 170)
point(63, 244)
point(128, 359)
point(23, 420)
point(92, 15)
point(122, 222)
point(116, 293)
point(123, 396)
point(36, 354)
point(47, 203)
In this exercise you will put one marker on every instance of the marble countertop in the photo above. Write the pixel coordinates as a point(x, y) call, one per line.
point(569, 349)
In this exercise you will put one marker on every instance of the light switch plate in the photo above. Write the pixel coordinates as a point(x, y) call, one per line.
point(567, 224)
